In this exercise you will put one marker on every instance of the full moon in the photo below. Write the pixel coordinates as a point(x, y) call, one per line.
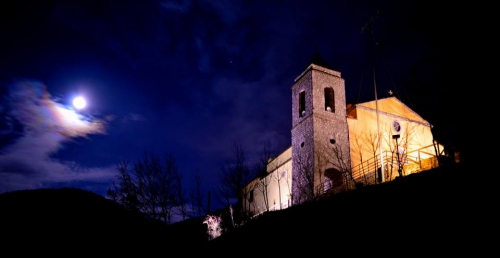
point(79, 102)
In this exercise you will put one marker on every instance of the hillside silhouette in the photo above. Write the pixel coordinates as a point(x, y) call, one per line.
point(436, 211)
point(440, 211)
point(57, 220)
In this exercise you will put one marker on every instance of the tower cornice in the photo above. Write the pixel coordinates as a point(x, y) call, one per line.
point(320, 69)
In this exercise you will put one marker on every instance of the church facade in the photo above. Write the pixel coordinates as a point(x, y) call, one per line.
point(338, 146)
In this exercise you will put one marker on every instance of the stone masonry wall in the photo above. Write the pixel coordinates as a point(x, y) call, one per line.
point(318, 126)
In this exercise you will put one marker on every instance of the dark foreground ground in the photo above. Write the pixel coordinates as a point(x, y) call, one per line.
point(446, 211)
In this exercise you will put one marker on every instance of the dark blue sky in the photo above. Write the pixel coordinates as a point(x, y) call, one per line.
point(192, 78)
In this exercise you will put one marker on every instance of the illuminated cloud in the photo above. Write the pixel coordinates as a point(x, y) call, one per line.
point(26, 163)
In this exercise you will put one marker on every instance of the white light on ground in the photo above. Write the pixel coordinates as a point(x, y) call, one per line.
point(79, 102)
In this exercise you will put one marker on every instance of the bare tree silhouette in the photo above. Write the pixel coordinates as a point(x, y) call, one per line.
point(234, 175)
point(264, 180)
point(151, 187)
point(197, 195)
point(303, 180)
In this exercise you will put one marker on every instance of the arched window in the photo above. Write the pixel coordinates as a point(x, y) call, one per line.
point(329, 100)
point(302, 104)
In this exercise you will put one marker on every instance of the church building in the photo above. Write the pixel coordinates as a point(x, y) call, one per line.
point(337, 146)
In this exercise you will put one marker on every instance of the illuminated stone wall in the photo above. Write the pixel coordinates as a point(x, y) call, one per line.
point(314, 132)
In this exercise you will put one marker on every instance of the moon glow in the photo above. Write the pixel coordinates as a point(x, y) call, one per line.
point(79, 102)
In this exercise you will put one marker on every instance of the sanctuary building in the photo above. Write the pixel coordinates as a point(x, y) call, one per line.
point(338, 146)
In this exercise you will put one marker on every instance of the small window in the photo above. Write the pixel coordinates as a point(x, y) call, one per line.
point(250, 196)
point(302, 104)
point(329, 100)
point(302, 144)
point(332, 141)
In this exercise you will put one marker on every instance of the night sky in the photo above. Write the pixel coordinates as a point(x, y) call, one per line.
point(191, 78)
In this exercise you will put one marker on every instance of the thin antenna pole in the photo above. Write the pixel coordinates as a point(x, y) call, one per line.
point(372, 55)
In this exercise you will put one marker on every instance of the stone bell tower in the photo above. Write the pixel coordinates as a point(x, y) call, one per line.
point(320, 140)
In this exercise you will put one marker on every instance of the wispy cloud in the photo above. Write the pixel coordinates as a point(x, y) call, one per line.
point(45, 126)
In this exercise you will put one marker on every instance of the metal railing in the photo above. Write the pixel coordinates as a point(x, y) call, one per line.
point(368, 172)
